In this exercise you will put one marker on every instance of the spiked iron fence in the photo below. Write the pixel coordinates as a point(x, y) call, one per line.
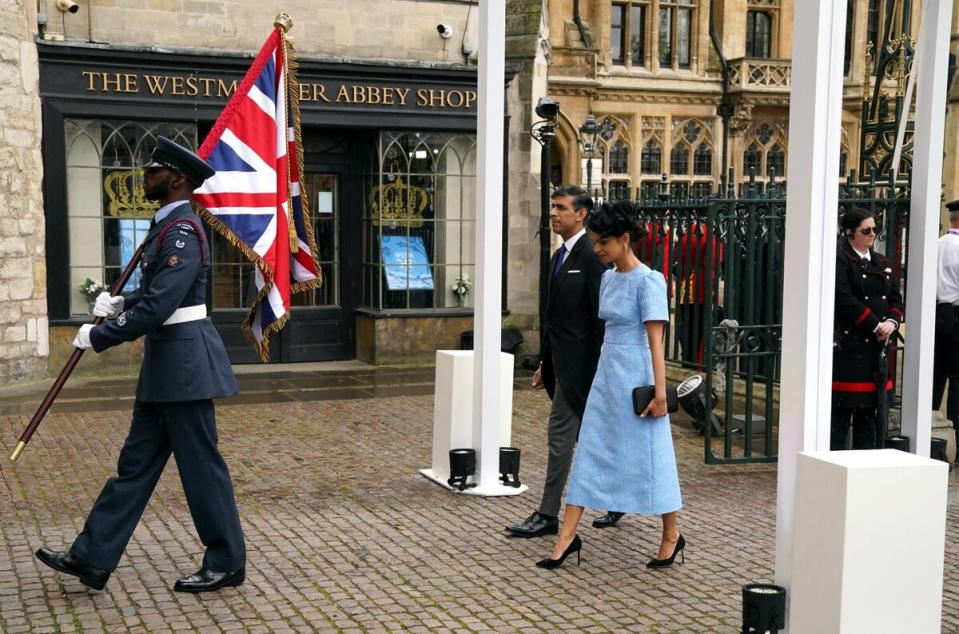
point(722, 257)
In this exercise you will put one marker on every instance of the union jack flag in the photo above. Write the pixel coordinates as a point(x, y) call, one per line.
point(254, 200)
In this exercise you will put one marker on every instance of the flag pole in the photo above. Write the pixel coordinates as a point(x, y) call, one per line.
point(70, 365)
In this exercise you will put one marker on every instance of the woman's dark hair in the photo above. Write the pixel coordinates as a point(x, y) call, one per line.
point(851, 220)
point(614, 219)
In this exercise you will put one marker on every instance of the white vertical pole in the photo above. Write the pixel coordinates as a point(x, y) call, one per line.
point(924, 224)
point(815, 111)
point(489, 240)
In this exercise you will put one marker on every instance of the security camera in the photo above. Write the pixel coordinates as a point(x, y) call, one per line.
point(68, 5)
point(445, 31)
point(547, 108)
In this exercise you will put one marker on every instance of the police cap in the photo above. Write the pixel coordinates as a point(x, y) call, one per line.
point(179, 159)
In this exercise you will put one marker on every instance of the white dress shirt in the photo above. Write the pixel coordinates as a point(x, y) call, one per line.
point(572, 241)
point(947, 280)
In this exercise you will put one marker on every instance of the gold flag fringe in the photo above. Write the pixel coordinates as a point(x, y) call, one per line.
point(293, 102)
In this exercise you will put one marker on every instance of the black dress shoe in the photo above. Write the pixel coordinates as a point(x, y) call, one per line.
point(63, 561)
point(209, 580)
point(534, 526)
point(607, 520)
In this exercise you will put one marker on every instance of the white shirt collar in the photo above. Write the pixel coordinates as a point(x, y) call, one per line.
point(572, 241)
point(165, 210)
point(864, 256)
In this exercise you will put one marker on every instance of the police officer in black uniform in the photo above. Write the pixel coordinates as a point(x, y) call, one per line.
point(869, 310)
point(184, 367)
point(946, 364)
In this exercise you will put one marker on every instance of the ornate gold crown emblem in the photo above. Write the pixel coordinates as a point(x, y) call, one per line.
point(124, 189)
point(398, 204)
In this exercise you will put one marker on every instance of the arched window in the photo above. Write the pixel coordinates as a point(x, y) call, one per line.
point(776, 160)
point(679, 160)
point(619, 158)
point(651, 161)
point(703, 161)
point(751, 160)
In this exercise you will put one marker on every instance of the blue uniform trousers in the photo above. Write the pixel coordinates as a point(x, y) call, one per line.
point(188, 430)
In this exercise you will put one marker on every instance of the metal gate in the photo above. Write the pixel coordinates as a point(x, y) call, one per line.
point(722, 257)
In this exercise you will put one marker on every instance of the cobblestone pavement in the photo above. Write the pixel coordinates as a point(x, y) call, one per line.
point(345, 535)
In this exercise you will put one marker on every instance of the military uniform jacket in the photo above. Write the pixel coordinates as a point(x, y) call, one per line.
point(184, 361)
point(574, 331)
point(867, 293)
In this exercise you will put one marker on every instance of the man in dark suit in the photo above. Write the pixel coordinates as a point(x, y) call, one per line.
point(184, 367)
point(573, 338)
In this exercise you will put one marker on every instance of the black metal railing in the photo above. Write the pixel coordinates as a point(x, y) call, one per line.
point(722, 257)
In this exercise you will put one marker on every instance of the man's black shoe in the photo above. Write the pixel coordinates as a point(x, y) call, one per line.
point(607, 520)
point(65, 562)
point(534, 526)
point(209, 580)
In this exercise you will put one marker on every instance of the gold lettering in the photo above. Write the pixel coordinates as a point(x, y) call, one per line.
point(459, 96)
point(388, 95)
point(156, 83)
point(224, 89)
point(89, 74)
point(438, 96)
point(107, 82)
point(206, 85)
point(402, 92)
point(359, 94)
point(304, 92)
point(192, 88)
point(373, 95)
point(421, 97)
point(177, 86)
point(319, 91)
point(470, 98)
point(343, 95)
point(129, 83)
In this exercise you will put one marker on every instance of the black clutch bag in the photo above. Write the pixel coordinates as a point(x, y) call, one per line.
point(643, 395)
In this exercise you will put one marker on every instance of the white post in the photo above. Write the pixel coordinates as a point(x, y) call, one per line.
point(924, 224)
point(810, 261)
point(489, 240)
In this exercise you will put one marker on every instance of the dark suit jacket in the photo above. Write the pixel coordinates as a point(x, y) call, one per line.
point(574, 331)
point(181, 362)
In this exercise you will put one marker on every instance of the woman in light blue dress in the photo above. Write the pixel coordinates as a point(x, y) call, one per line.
point(625, 461)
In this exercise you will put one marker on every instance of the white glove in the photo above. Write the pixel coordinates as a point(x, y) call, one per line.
point(108, 306)
point(82, 340)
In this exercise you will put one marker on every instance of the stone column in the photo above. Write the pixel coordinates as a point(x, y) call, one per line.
point(24, 342)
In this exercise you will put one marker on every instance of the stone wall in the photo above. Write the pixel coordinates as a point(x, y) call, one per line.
point(380, 29)
point(24, 340)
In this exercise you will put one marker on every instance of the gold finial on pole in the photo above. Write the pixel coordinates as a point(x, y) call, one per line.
point(283, 22)
point(16, 452)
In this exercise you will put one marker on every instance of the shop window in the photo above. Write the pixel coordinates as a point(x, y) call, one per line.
point(419, 220)
point(107, 211)
point(627, 35)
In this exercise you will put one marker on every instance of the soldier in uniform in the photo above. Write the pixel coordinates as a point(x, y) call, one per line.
point(869, 310)
point(184, 367)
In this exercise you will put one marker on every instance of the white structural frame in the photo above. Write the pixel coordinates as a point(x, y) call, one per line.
point(489, 245)
point(924, 223)
point(811, 238)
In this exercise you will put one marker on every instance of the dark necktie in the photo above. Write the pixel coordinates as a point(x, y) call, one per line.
point(560, 257)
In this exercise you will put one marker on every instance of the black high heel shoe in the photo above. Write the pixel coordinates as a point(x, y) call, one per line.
point(574, 547)
point(666, 563)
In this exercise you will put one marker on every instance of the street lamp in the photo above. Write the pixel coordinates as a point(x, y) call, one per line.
point(587, 138)
point(544, 131)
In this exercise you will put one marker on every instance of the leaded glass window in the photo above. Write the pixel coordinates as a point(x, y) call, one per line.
point(679, 160)
point(618, 158)
point(108, 213)
point(651, 161)
point(419, 220)
point(703, 161)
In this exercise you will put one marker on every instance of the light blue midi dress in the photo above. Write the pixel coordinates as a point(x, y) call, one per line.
point(625, 462)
